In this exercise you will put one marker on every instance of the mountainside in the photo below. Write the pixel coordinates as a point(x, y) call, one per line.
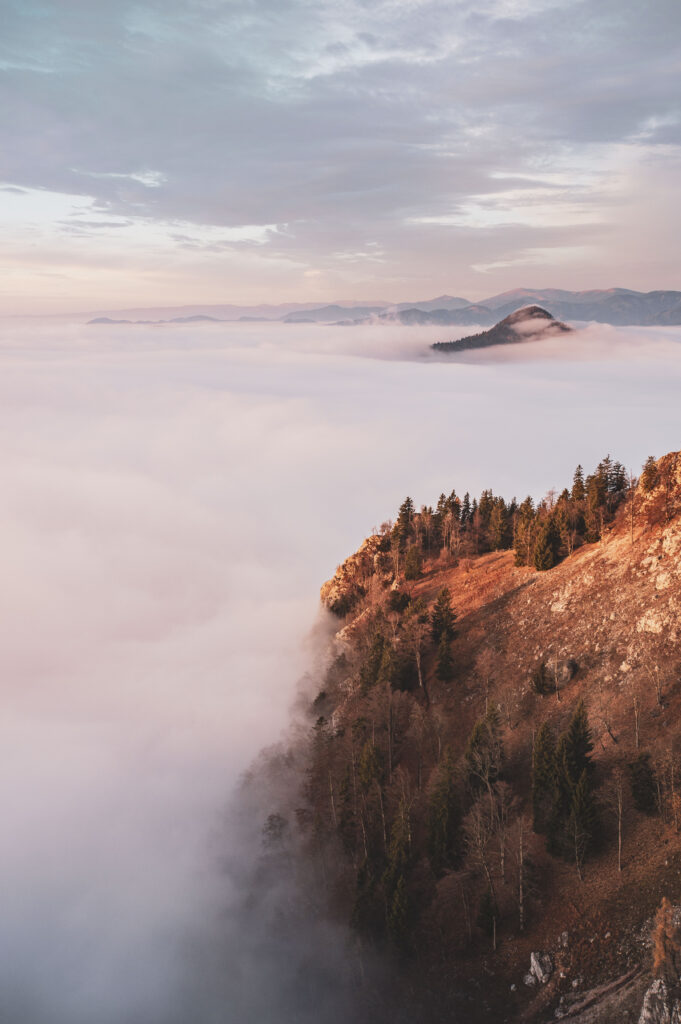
point(531, 323)
point(493, 755)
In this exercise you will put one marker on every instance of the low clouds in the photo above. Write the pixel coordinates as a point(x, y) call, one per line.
point(350, 126)
point(174, 496)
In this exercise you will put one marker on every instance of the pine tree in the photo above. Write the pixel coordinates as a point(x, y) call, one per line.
point(444, 668)
point(412, 564)
point(394, 879)
point(649, 476)
point(370, 766)
point(466, 509)
point(578, 744)
point(442, 617)
point(546, 545)
point(572, 765)
point(405, 521)
point(368, 673)
point(578, 491)
point(443, 818)
point(523, 540)
point(543, 777)
point(582, 821)
point(498, 525)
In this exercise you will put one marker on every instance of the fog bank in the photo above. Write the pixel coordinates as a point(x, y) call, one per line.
point(174, 497)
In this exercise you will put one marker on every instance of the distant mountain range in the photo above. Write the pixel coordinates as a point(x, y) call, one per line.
point(620, 306)
point(531, 323)
point(198, 318)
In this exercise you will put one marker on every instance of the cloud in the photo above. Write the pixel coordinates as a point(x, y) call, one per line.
point(174, 497)
point(352, 123)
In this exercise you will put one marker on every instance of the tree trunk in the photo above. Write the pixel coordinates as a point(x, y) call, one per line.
point(521, 878)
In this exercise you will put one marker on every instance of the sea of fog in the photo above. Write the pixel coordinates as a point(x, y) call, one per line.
point(173, 496)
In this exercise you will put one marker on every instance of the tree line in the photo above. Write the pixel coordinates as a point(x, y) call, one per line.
point(541, 533)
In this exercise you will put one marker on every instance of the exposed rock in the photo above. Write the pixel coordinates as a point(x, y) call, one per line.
point(541, 967)
point(529, 980)
point(658, 1007)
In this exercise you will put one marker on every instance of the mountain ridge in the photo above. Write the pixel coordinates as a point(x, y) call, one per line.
point(618, 306)
point(459, 638)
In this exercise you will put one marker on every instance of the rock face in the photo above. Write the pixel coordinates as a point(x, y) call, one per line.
point(531, 323)
point(658, 1006)
point(348, 585)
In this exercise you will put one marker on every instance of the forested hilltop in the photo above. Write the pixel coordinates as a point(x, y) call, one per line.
point(492, 757)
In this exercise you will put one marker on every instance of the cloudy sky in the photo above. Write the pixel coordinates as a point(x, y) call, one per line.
point(169, 151)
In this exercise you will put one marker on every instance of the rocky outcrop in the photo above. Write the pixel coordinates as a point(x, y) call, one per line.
point(658, 1005)
point(348, 584)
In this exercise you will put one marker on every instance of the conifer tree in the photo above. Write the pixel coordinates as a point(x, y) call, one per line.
point(370, 766)
point(444, 668)
point(543, 778)
point(405, 520)
point(578, 491)
point(649, 476)
point(572, 765)
point(466, 509)
point(523, 540)
point(442, 616)
point(443, 818)
point(498, 525)
point(412, 564)
point(395, 878)
point(546, 545)
point(582, 821)
point(368, 673)
point(578, 744)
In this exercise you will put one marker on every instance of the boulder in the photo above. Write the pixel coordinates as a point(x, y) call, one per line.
point(541, 967)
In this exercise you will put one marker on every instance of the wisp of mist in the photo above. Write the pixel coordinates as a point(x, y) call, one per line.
point(173, 498)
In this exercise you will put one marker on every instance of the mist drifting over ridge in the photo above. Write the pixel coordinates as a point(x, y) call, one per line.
point(175, 496)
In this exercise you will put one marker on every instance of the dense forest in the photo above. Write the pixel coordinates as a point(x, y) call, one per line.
point(462, 778)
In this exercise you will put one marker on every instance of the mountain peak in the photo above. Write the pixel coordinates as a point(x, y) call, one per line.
point(529, 323)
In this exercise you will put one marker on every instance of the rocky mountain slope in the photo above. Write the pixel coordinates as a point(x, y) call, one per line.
point(423, 786)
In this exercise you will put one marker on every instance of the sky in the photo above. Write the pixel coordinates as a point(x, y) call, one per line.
point(188, 151)
point(174, 496)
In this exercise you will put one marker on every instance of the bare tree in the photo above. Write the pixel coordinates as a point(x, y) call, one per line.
point(478, 832)
point(416, 629)
point(631, 503)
